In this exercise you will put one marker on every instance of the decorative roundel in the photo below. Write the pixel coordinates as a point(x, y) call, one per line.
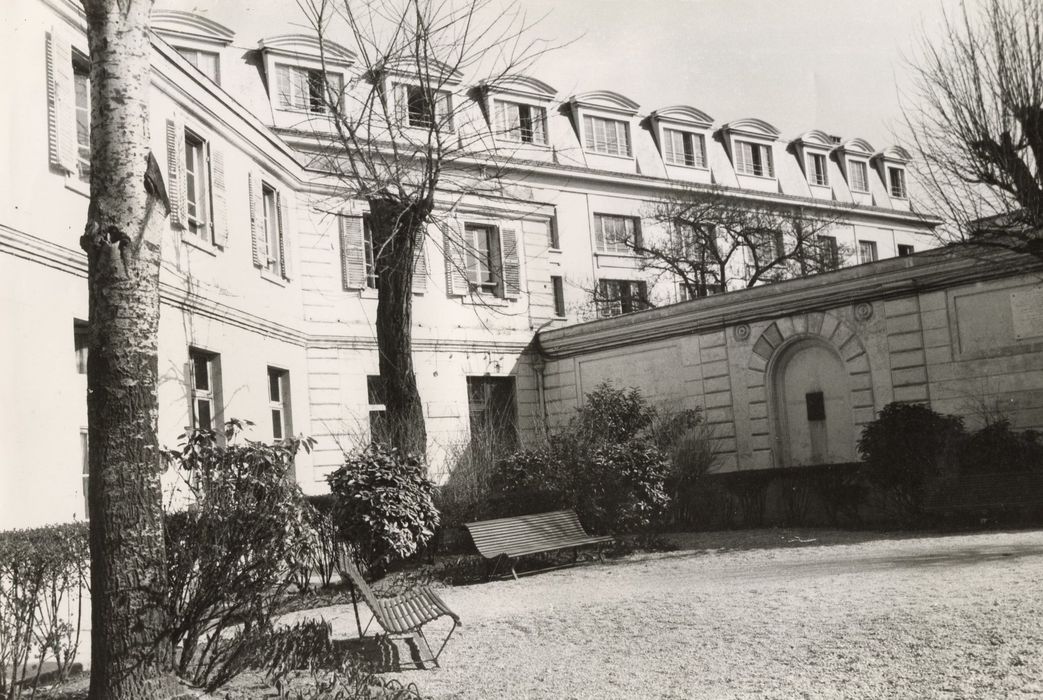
point(863, 311)
point(742, 331)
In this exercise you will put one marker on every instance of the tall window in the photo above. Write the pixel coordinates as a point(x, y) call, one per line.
point(272, 233)
point(859, 175)
point(490, 402)
point(904, 250)
point(754, 159)
point(829, 252)
point(205, 382)
point(621, 297)
point(197, 185)
point(426, 108)
point(306, 89)
point(482, 256)
point(896, 176)
point(610, 136)
point(279, 402)
point(558, 288)
point(369, 252)
point(377, 409)
point(867, 251)
point(684, 148)
point(85, 471)
point(82, 82)
point(79, 339)
point(206, 61)
point(521, 123)
point(617, 234)
point(817, 174)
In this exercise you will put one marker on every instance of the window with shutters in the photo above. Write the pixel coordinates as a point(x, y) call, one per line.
point(272, 230)
point(684, 148)
point(617, 234)
point(753, 159)
point(482, 259)
point(859, 175)
point(521, 123)
point(205, 387)
point(369, 253)
point(197, 185)
point(608, 136)
point(307, 89)
point(615, 297)
point(208, 62)
point(817, 174)
point(81, 69)
point(279, 402)
point(423, 107)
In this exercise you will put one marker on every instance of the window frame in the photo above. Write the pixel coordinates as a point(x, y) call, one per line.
point(904, 250)
point(896, 187)
point(280, 403)
point(79, 343)
point(493, 260)
point(699, 157)
point(631, 296)
point(590, 137)
point(211, 395)
point(557, 283)
point(273, 233)
point(310, 85)
point(81, 74)
point(376, 406)
point(503, 129)
point(369, 254)
point(192, 54)
point(817, 177)
point(200, 228)
point(755, 147)
point(862, 167)
point(430, 96)
point(871, 246)
point(602, 245)
point(831, 246)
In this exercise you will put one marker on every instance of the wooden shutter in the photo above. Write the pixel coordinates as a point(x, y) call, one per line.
point(419, 263)
point(257, 246)
point(352, 252)
point(286, 215)
point(176, 172)
point(220, 217)
point(453, 248)
point(511, 262)
point(61, 103)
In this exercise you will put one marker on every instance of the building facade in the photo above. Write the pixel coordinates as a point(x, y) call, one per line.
point(267, 288)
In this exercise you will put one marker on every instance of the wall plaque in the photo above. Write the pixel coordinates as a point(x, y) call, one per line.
point(1026, 310)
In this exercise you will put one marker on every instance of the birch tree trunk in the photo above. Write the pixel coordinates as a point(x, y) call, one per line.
point(130, 652)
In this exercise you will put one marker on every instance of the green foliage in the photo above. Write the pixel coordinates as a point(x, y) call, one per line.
point(904, 447)
point(996, 449)
point(384, 505)
point(44, 573)
point(228, 552)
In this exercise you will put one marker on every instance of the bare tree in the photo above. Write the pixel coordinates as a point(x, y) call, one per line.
point(130, 654)
point(401, 141)
point(978, 124)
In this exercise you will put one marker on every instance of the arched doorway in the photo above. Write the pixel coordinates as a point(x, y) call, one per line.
point(813, 406)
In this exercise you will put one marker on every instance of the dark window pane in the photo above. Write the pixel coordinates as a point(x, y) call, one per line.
point(277, 424)
point(203, 419)
point(816, 405)
point(375, 389)
point(274, 385)
point(79, 335)
point(201, 370)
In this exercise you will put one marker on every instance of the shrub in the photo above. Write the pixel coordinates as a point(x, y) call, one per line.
point(996, 449)
point(904, 447)
point(228, 552)
point(384, 505)
point(688, 442)
point(612, 415)
point(43, 574)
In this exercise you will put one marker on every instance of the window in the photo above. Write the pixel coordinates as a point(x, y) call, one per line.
point(85, 471)
point(79, 339)
point(82, 83)
point(754, 159)
point(866, 251)
point(197, 185)
point(817, 174)
point(377, 411)
point(272, 230)
point(425, 108)
point(896, 176)
point(617, 297)
point(609, 136)
point(684, 148)
point(521, 123)
point(552, 232)
point(558, 288)
point(279, 402)
point(490, 402)
point(369, 254)
point(205, 383)
point(815, 401)
point(859, 175)
point(482, 257)
point(904, 250)
point(829, 252)
point(206, 61)
point(617, 234)
point(306, 89)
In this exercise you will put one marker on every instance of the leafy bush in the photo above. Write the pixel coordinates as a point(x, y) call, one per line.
point(996, 449)
point(688, 441)
point(228, 552)
point(612, 415)
point(384, 506)
point(324, 545)
point(43, 575)
point(904, 447)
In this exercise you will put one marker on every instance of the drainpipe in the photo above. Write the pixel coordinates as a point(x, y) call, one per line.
point(539, 362)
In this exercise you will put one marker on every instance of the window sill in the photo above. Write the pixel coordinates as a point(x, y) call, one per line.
point(821, 187)
point(629, 255)
point(272, 277)
point(703, 168)
point(479, 299)
point(770, 178)
point(608, 155)
point(521, 144)
point(307, 112)
point(198, 243)
point(854, 191)
point(75, 184)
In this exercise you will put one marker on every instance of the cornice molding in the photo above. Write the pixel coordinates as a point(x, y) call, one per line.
point(605, 100)
point(308, 47)
point(683, 114)
point(751, 126)
point(521, 85)
point(190, 25)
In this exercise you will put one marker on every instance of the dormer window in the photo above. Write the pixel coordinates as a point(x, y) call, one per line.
point(305, 89)
point(516, 106)
point(206, 61)
point(608, 136)
point(817, 174)
point(521, 123)
point(684, 148)
point(423, 108)
point(858, 174)
point(896, 182)
point(304, 75)
point(754, 159)
point(197, 39)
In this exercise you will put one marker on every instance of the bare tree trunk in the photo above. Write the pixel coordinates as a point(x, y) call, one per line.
point(130, 650)
point(396, 231)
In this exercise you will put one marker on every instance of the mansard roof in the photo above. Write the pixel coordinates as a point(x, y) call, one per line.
point(752, 126)
point(520, 85)
point(191, 26)
point(683, 114)
point(605, 99)
point(307, 46)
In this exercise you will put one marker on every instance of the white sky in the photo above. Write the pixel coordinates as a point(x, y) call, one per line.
point(835, 65)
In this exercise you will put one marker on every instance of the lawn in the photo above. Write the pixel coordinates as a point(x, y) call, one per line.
point(780, 614)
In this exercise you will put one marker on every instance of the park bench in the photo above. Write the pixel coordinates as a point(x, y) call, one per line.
point(505, 540)
point(403, 616)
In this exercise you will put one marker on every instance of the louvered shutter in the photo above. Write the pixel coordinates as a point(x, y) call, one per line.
point(258, 246)
point(352, 252)
point(453, 248)
point(61, 103)
point(287, 216)
point(511, 262)
point(176, 172)
point(419, 263)
point(401, 99)
point(220, 218)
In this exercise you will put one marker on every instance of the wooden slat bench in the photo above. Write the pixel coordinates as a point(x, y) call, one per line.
point(402, 616)
point(504, 540)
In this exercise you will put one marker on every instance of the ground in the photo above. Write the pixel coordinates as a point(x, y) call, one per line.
point(776, 614)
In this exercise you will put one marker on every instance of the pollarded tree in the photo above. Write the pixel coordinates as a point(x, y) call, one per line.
point(130, 652)
point(399, 142)
point(977, 124)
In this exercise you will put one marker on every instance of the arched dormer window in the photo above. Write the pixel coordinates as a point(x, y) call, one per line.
point(854, 155)
point(304, 76)
point(199, 40)
point(603, 119)
point(812, 149)
point(517, 106)
point(751, 142)
point(680, 132)
point(422, 99)
point(891, 163)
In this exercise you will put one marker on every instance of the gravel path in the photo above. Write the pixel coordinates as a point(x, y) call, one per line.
point(952, 616)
